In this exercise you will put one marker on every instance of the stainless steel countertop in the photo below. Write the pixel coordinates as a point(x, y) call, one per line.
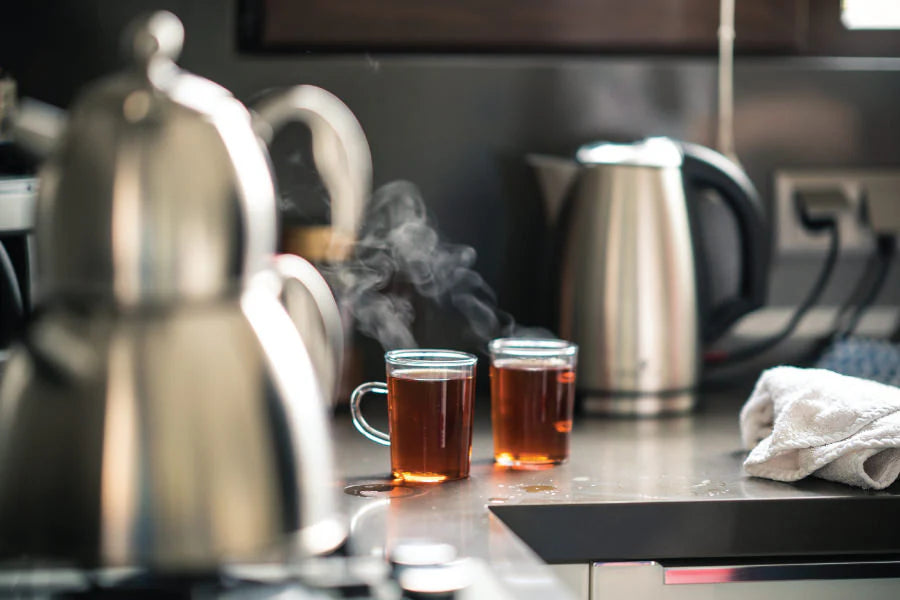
point(454, 512)
point(691, 458)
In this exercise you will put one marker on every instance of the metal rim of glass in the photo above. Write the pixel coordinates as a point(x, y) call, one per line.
point(430, 357)
point(533, 347)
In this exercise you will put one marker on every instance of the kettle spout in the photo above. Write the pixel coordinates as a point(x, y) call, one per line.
point(555, 177)
point(340, 151)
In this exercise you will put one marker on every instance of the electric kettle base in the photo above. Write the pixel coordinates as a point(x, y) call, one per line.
point(639, 405)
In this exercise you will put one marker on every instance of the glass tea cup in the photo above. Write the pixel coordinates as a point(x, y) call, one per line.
point(430, 401)
point(532, 400)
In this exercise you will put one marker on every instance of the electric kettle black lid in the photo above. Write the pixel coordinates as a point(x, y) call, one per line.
point(704, 170)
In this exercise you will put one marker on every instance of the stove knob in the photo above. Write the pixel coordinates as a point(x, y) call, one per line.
point(419, 553)
point(436, 582)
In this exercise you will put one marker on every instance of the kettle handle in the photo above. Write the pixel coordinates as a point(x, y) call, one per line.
point(325, 330)
point(339, 147)
point(704, 168)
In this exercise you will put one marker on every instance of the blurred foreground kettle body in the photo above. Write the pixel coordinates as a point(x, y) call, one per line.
point(634, 281)
point(163, 409)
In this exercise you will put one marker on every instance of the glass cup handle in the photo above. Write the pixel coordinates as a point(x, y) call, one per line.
point(379, 437)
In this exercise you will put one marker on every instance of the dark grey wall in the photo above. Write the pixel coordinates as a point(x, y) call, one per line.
point(459, 126)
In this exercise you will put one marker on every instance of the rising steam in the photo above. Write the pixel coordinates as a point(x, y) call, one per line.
point(398, 245)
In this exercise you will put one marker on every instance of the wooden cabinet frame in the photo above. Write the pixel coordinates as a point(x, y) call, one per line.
point(784, 27)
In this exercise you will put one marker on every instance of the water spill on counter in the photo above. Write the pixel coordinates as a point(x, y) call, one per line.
point(533, 489)
point(711, 488)
point(382, 490)
point(516, 492)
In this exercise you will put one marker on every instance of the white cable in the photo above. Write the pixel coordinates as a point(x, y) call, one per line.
point(726, 80)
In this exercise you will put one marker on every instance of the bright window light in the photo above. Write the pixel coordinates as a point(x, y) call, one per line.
point(870, 14)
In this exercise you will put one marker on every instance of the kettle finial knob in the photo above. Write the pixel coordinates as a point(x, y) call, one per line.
point(156, 35)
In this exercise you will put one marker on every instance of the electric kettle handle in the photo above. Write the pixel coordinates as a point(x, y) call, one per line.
point(704, 168)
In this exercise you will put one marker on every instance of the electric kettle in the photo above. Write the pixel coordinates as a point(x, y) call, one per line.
point(163, 410)
point(635, 283)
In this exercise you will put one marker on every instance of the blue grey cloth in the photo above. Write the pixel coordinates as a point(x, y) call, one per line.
point(865, 358)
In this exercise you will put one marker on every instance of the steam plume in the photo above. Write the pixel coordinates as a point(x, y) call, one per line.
point(399, 244)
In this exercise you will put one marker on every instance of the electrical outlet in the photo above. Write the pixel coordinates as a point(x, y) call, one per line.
point(880, 188)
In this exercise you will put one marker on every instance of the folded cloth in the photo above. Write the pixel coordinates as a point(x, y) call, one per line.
point(800, 422)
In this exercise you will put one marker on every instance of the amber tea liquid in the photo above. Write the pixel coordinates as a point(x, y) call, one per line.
point(531, 410)
point(430, 416)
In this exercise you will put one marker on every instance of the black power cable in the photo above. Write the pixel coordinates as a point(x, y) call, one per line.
point(860, 290)
point(826, 222)
point(883, 257)
point(857, 356)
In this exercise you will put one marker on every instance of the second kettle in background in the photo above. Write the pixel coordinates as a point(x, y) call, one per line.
point(635, 281)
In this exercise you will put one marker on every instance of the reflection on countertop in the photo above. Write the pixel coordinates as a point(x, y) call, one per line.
point(689, 459)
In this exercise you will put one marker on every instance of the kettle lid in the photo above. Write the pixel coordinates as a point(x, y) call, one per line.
point(652, 152)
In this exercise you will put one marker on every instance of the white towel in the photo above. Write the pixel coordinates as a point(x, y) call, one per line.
point(801, 422)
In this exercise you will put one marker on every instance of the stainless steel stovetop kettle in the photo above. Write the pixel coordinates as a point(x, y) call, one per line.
point(163, 410)
point(636, 283)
